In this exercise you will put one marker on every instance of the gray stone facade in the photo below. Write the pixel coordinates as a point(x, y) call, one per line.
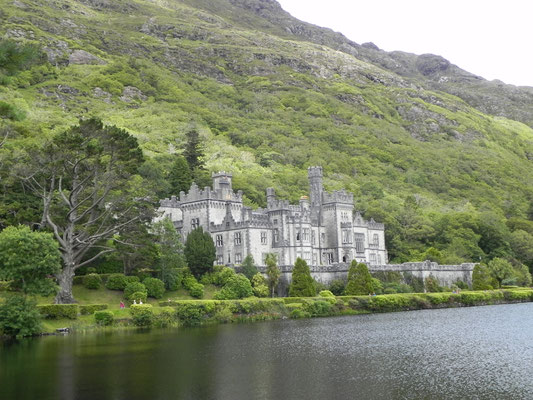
point(323, 229)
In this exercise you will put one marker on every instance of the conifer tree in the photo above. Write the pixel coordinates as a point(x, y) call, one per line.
point(200, 252)
point(303, 284)
point(359, 280)
point(180, 176)
point(193, 150)
point(248, 267)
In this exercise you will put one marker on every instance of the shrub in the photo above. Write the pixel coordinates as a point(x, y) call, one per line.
point(132, 288)
point(194, 288)
point(91, 270)
point(89, 309)
point(221, 277)
point(391, 302)
point(120, 281)
point(359, 280)
point(19, 317)
point(302, 284)
point(224, 313)
point(138, 297)
point(438, 298)
point(197, 290)
point(237, 287)
point(259, 285)
point(165, 318)
point(432, 285)
point(317, 308)
point(142, 315)
point(104, 317)
point(155, 287)
point(194, 312)
point(326, 293)
point(298, 313)
point(92, 281)
point(53, 311)
point(337, 287)
point(517, 295)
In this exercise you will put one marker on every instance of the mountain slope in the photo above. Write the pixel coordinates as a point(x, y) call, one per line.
point(272, 95)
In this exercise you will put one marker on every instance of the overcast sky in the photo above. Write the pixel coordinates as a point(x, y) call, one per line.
point(490, 38)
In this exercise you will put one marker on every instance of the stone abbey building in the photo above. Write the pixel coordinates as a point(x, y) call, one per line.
point(323, 229)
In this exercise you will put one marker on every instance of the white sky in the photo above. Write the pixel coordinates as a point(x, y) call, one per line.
point(490, 38)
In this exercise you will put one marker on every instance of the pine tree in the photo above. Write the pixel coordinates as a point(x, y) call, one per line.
point(248, 267)
point(359, 280)
point(303, 284)
point(193, 150)
point(200, 252)
point(180, 176)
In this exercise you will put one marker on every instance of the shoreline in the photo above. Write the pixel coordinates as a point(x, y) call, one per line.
point(182, 313)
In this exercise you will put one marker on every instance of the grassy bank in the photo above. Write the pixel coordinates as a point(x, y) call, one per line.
point(176, 310)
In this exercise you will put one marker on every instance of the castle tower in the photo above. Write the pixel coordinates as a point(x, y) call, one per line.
point(222, 183)
point(271, 196)
point(315, 186)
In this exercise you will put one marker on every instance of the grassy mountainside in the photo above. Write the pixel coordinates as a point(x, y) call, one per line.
point(412, 136)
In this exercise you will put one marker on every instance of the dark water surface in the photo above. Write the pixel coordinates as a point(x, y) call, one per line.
point(463, 353)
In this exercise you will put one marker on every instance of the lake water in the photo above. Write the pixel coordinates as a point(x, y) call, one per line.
point(462, 353)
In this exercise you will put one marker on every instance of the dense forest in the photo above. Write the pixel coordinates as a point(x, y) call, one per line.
point(447, 167)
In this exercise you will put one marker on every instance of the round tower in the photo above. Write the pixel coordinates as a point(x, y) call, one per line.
point(315, 186)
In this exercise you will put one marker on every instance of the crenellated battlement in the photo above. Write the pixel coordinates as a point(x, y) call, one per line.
point(197, 194)
point(173, 202)
point(338, 196)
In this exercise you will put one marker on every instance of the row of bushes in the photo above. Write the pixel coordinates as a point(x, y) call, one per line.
point(191, 312)
point(151, 287)
point(70, 311)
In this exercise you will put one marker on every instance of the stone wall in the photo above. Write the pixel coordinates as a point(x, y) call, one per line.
point(446, 275)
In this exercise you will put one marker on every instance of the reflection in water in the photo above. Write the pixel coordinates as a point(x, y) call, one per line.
point(479, 352)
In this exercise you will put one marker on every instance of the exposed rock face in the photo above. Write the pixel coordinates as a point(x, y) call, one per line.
point(131, 93)
point(105, 96)
point(83, 57)
point(429, 64)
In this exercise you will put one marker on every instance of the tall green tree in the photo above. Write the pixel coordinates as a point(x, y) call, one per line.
point(170, 250)
point(200, 252)
point(359, 280)
point(303, 284)
point(86, 178)
point(500, 269)
point(248, 267)
point(180, 176)
point(481, 278)
point(29, 259)
point(193, 152)
point(272, 271)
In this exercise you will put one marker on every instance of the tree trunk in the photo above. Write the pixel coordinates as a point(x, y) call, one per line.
point(64, 278)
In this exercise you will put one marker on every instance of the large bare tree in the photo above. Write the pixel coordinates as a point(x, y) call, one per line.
point(86, 178)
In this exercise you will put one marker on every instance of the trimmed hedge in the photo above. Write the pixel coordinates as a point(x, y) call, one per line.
point(78, 279)
point(142, 315)
point(120, 281)
point(56, 311)
point(132, 288)
point(92, 281)
point(155, 287)
point(89, 309)
point(105, 318)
